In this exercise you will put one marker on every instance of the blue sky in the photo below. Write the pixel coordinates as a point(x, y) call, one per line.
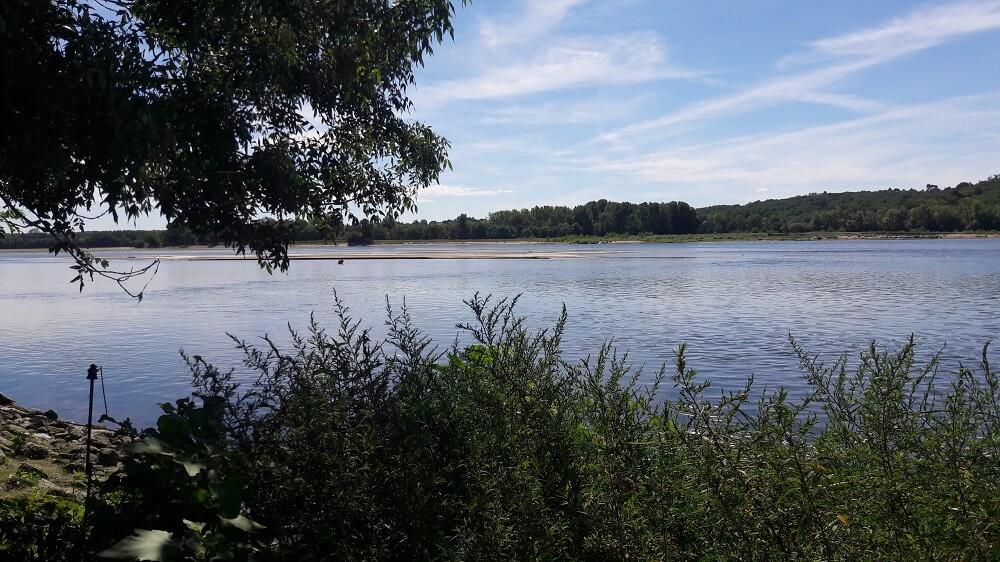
point(559, 102)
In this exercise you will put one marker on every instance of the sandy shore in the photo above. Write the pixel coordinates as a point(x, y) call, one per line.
point(421, 254)
point(462, 250)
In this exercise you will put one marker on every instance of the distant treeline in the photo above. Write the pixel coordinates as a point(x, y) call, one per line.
point(965, 207)
point(95, 239)
point(596, 218)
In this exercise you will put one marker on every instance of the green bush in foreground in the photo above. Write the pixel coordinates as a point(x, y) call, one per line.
point(349, 448)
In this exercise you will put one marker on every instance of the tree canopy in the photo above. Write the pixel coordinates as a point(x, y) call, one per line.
point(230, 118)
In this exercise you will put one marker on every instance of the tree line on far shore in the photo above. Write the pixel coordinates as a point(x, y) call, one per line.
point(965, 207)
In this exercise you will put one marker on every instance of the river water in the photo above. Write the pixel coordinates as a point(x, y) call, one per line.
point(734, 304)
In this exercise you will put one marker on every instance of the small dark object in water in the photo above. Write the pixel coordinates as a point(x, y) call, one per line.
point(340, 262)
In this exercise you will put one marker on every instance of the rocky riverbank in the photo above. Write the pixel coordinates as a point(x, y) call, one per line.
point(40, 453)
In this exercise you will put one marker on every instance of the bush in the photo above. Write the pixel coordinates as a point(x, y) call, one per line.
point(40, 528)
point(349, 448)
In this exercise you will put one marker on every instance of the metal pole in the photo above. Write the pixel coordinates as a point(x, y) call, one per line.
point(91, 376)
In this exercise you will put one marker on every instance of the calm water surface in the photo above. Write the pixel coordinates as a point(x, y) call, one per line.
point(734, 304)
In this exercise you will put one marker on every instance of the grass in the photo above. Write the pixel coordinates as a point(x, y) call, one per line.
point(16, 482)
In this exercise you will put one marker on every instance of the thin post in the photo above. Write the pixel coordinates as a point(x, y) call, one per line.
point(91, 376)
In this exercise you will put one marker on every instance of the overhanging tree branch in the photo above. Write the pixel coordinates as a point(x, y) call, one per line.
point(193, 110)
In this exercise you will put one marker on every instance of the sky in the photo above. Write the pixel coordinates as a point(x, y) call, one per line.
point(560, 102)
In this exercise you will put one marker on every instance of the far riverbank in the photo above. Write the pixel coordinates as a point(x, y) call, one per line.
point(582, 240)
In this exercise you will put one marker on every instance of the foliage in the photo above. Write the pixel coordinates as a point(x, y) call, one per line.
point(966, 206)
point(231, 119)
point(171, 493)
point(40, 528)
point(596, 218)
point(347, 447)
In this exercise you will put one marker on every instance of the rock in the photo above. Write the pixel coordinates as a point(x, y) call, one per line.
point(17, 483)
point(60, 434)
point(54, 488)
point(101, 439)
point(27, 469)
point(108, 457)
point(32, 434)
point(65, 457)
point(35, 451)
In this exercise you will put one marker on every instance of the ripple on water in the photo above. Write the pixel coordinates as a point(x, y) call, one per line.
point(733, 304)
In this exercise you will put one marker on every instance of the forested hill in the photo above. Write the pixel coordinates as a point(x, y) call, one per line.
point(966, 206)
point(596, 218)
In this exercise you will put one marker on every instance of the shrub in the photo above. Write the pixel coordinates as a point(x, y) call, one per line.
point(40, 528)
point(348, 447)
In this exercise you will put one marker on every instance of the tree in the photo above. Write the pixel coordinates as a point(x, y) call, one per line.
point(461, 227)
point(230, 118)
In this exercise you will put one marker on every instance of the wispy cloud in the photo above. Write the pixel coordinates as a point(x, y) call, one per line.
point(536, 19)
point(921, 29)
point(805, 87)
point(572, 100)
point(832, 60)
point(590, 61)
point(608, 108)
point(442, 190)
point(939, 142)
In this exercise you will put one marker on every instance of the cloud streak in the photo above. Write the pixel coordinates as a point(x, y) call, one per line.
point(838, 58)
point(919, 30)
point(936, 142)
point(572, 100)
point(442, 190)
point(583, 62)
point(536, 19)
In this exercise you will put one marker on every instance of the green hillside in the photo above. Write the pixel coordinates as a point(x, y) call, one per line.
point(966, 206)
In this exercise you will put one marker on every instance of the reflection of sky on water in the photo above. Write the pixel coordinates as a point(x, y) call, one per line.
point(734, 304)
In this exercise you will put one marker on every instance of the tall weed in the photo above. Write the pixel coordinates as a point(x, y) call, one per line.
point(348, 447)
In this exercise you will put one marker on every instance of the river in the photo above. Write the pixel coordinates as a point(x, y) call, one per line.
point(733, 304)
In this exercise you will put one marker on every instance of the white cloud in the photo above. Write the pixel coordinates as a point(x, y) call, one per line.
point(941, 142)
point(536, 19)
point(838, 58)
point(441, 190)
point(599, 109)
point(805, 87)
point(921, 29)
point(582, 62)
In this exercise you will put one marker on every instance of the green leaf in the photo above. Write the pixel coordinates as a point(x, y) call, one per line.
point(144, 545)
point(202, 495)
point(242, 523)
point(230, 494)
point(151, 445)
point(192, 468)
